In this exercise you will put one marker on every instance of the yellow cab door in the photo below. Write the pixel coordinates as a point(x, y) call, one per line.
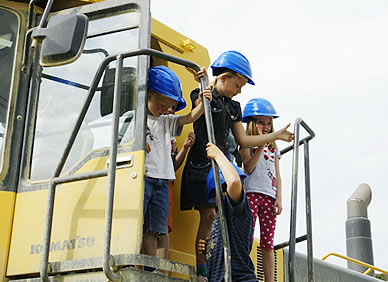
point(66, 97)
point(12, 26)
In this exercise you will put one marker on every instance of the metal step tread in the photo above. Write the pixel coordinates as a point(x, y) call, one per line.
point(127, 274)
point(123, 264)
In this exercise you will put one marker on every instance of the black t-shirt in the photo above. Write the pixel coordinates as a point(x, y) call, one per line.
point(225, 112)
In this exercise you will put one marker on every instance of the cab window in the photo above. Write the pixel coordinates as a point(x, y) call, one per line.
point(8, 35)
point(63, 91)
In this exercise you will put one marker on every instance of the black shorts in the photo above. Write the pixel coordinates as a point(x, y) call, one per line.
point(194, 186)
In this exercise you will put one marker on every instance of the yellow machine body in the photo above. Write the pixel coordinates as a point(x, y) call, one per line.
point(78, 221)
point(79, 207)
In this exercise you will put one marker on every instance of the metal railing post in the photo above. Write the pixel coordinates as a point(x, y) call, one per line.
point(310, 265)
point(219, 194)
point(294, 199)
point(106, 257)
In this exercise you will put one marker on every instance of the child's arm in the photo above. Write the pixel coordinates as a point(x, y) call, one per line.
point(197, 111)
point(249, 161)
point(278, 203)
point(248, 141)
point(197, 75)
point(148, 148)
point(201, 246)
point(231, 176)
point(189, 141)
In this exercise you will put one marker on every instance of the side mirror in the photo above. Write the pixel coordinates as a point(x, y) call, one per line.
point(63, 39)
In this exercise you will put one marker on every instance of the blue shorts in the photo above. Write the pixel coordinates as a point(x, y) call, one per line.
point(156, 205)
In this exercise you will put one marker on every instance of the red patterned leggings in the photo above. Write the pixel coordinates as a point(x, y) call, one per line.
point(262, 206)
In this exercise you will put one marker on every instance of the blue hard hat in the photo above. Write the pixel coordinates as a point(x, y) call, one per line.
point(163, 80)
point(210, 179)
point(234, 61)
point(258, 107)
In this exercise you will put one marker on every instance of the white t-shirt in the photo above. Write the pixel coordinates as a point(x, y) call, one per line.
point(263, 177)
point(159, 132)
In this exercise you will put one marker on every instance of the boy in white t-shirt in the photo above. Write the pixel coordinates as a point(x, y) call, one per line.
point(164, 88)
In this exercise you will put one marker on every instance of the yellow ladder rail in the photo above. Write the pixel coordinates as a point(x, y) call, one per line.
point(369, 266)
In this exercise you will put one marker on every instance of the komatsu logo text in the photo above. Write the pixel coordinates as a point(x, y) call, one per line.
point(77, 243)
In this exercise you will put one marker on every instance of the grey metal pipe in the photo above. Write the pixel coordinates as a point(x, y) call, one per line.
point(106, 257)
point(44, 268)
point(43, 20)
point(357, 204)
point(301, 142)
point(294, 202)
point(44, 265)
point(294, 197)
point(310, 264)
point(27, 36)
point(31, 12)
point(51, 193)
point(358, 228)
point(219, 194)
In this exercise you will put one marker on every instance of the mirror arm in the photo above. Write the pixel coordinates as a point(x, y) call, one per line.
point(43, 22)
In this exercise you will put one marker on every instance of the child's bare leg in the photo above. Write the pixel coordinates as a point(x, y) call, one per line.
point(162, 248)
point(207, 215)
point(141, 267)
point(150, 242)
point(268, 264)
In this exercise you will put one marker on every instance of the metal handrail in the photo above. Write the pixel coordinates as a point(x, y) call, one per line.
point(367, 265)
point(287, 243)
point(219, 194)
point(107, 258)
point(43, 20)
point(291, 258)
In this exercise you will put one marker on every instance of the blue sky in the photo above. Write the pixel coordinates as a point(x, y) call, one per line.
point(327, 63)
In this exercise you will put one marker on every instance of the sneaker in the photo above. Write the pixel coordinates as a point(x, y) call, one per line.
point(202, 279)
point(158, 272)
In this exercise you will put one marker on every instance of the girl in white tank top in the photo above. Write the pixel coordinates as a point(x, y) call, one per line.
point(263, 182)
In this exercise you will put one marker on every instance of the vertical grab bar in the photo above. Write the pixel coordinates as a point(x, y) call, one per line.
point(219, 195)
point(295, 162)
point(106, 257)
point(51, 190)
point(310, 268)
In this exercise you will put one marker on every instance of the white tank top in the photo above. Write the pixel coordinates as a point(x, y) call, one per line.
point(263, 177)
